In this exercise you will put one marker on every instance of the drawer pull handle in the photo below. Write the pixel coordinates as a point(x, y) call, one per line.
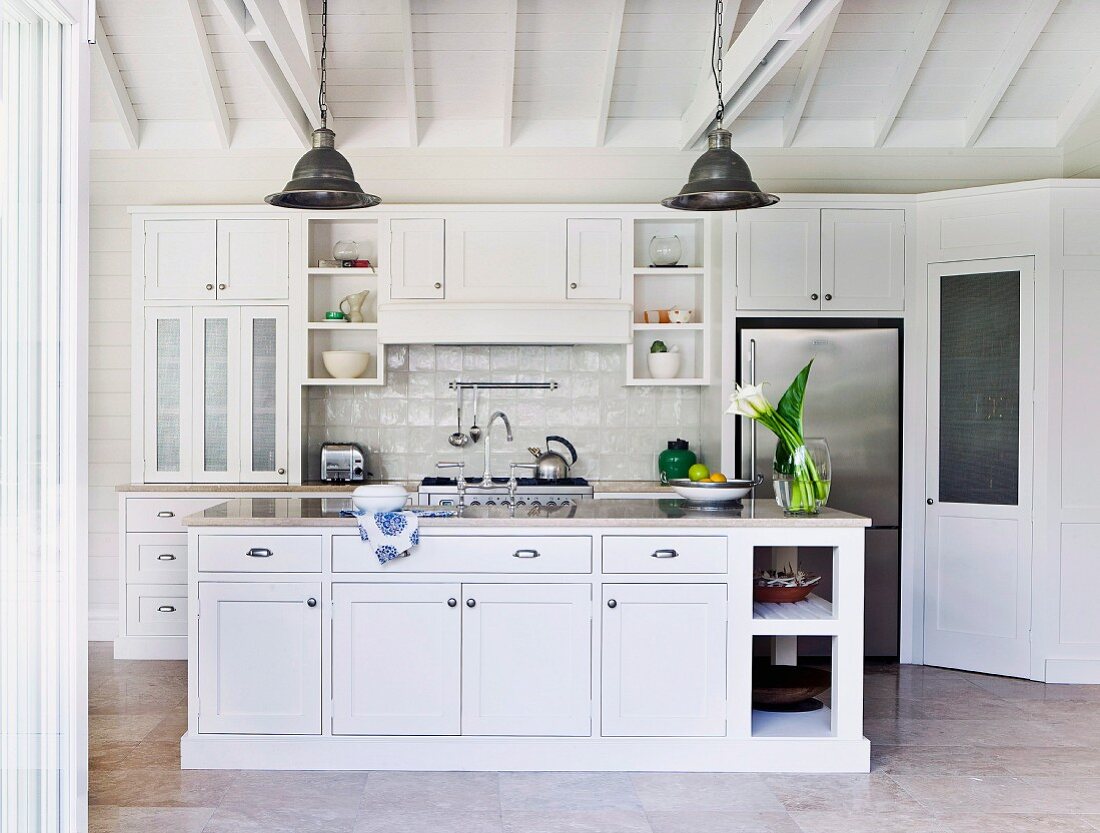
point(452, 602)
point(611, 603)
point(166, 609)
point(260, 552)
point(665, 554)
point(526, 554)
point(166, 556)
point(166, 513)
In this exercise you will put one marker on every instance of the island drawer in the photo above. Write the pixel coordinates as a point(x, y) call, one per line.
point(664, 554)
point(260, 553)
point(156, 610)
point(164, 514)
point(471, 554)
point(156, 557)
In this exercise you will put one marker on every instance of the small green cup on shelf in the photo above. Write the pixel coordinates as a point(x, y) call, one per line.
point(334, 315)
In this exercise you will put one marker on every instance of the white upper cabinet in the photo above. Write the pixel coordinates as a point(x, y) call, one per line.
point(862, 259)
point(526, 659)
point(225, 260)
point(259, 658)
point(180, 260)
point(215, 402)
point(253, 260)
point(167, 389)
point(778, 259)
point(416, 258)
point(502, 256)
point(264, 395)
point(594, 254)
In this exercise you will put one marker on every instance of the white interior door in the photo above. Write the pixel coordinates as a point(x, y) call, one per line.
point(526, 659)
point(979, 498)
point(396, 659)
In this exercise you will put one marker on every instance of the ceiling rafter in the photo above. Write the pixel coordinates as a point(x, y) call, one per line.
point(274, 29)
point(1081, 105)
point(1013, 57)
point(240, 25)
point(511, 21)
point(120, 97)
point(611, 61)
point(212, 88)
point(770, 26)
point(408, 65)
point(807, 75)
point(731, 9)
point(298, 15)
point(896, 93)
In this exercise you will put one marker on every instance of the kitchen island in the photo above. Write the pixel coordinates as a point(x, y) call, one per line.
point(607, 635)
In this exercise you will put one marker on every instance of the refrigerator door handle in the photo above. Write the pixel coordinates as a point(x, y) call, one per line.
point(752, 423)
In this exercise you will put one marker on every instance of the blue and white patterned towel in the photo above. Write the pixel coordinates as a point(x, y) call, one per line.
point(392, 535)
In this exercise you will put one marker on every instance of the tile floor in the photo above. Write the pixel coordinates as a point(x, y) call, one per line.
point(952, 753)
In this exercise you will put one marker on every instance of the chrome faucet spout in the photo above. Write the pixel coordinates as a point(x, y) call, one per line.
point(487, 476)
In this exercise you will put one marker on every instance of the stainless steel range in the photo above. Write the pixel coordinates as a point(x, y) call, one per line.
point(443, 491)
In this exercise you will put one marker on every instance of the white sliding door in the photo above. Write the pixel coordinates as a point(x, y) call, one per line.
point(979, 488)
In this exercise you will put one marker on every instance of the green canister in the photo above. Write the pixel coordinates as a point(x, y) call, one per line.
point(674, 461)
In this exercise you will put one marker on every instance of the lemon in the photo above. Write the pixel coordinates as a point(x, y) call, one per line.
point(717, 477)
point(698, 472)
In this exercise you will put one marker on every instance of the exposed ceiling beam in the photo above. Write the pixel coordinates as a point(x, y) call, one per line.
point(297, 12)
point(731, 9)
point(212, 88)
point(408, 63)
point(273, 27)
point(509, 79)
point(1019, 47)
point(240, 26)
point(927, 27)
point(771, 24)
point(611, 60)
point(1081, 105)
point(120, 97)
point(807, 75)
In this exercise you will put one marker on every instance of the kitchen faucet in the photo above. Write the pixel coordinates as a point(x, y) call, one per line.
point(486, 477)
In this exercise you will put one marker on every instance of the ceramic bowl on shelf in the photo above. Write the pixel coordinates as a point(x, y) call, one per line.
point(379, 497)
point(345, 364)
point(708, 491)
point(663, 365)
point(677, 315)
point(781, 595)
point(788, 688)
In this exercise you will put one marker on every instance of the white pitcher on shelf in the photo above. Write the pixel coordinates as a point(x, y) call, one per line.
point(352, 306)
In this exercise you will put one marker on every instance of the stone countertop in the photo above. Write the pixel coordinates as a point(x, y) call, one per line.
point(319, 512)
point(317, 487)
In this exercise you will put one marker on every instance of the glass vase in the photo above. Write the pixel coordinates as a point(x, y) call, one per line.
point(665, 251)
point(801, 476)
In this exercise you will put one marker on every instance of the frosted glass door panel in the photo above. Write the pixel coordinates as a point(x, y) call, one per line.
point(167, 394)
point(263, 395)
point(980, 388)
point(217, 394)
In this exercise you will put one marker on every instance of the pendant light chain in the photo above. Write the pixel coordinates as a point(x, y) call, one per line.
point(716, 57)
point(322, 97)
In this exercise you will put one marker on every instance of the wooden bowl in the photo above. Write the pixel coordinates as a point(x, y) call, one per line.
point(781, 594)
point(787, 687)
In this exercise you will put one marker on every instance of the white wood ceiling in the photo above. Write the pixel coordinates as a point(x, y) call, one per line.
point(585, 73)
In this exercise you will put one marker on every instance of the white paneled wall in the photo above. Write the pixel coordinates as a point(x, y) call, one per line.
point(121, 178)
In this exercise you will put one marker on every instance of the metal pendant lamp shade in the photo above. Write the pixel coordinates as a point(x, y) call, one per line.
point(719, 181)
point(323, 178)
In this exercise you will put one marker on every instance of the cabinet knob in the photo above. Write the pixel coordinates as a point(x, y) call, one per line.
point(828, 297)
point(572, 286)
point(221, 286)
point(813, 297)
point(611, 603)
point(210, 286)
point(471, 603)
point(311, 602)
point(930, 501)
point(452, 602)
point(438, 285)
point(282, 471)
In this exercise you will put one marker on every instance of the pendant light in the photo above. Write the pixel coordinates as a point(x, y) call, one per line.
point(323, 178)
point(720, 179)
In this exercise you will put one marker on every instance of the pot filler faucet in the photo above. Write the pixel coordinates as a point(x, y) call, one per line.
point(487, 477)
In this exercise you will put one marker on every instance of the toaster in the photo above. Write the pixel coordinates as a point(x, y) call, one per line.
point(342, 462)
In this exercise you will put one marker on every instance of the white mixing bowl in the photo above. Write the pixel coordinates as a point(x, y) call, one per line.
point(345, 364)
point(379, 497)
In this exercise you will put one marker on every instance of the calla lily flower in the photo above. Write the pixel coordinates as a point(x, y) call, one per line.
point(749, 401)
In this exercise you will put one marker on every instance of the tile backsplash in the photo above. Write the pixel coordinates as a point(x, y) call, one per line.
point(404, 425)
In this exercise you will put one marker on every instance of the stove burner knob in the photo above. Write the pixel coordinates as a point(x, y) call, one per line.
point(490, 503)
point(537, 503)
point(475, 503)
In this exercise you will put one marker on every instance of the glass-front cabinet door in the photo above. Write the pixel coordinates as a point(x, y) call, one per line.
point(263, 386)
point(216, 400)
point(167, 395)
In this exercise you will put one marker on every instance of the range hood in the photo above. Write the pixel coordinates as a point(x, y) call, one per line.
point(511, 322)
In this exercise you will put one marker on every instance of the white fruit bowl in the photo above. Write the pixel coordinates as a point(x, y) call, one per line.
point(379, 497)
point(707, 491)
point(345, 364)
point(663, 365)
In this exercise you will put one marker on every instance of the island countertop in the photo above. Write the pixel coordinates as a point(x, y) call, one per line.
point(643, 513)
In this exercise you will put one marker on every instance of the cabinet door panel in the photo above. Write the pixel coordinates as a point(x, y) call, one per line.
point(526, 666)
point(498, 256)
point(253, 260)
point(167, 393)
point(180, 260)
point(664, 660)
point(263, 391)
point(862, 259)
point(595, 258)
point(259, 658)
point(216, 400)
point(778, 259)
point(416, 258)
point(396, 659)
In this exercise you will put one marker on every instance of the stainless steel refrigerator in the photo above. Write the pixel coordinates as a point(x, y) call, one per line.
point(853, 400)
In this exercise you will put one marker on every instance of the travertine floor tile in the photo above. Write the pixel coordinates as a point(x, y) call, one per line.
point(120, 728)
point(280, 820)
point(872, 793)
point(591, 821)
point(889, 821)
point(1012, 823)
point(260, 791)
point(1004, 794)
point(731, 792)
point(571, 791)
point(429, 823)
point(719, 821)
point(422, 792)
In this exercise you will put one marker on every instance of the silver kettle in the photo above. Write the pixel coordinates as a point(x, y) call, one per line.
point(550, 465)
